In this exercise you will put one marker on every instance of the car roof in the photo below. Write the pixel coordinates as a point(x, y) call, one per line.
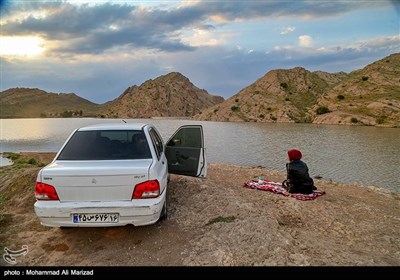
point(114, 126)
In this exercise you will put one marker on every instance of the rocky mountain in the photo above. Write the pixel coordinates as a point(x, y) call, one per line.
point(370, 96)
point(171, 95)
point(279, 96)
point(35, 103)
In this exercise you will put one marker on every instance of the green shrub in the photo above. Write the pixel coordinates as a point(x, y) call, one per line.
point(32, 161)
point(274, 118)
point(322, 110)
point(354, 120)
point(340, 97)
point(381, 119)
point(237, 100)
point(235, 108)
point(364, 78)
point(287, 99)
point(66, 114)
point(284, 85)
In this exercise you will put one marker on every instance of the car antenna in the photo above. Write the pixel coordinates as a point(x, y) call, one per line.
point(124, 121)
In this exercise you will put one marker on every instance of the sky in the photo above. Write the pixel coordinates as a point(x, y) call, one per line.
point(97, 49)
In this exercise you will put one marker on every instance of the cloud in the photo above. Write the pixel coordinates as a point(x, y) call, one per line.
point(96, 28)
point(204, 37)
point(287, 30)
point(72, 29)
point(225, 11)
point(305, 41)
point(337, 57)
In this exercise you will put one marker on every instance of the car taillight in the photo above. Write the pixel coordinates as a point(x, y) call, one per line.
point(148, 189)
point(45, 192)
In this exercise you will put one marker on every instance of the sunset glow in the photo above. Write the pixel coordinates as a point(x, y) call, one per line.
point(20, 46)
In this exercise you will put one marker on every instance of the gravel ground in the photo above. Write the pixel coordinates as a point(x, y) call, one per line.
point(215, 222)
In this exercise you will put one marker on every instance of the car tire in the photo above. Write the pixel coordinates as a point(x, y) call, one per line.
point(164, 211)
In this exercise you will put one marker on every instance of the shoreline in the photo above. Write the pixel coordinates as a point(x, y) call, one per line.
point(48, 156)
point(198, 120)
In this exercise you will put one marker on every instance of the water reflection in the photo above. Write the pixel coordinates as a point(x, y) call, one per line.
point(4, 161)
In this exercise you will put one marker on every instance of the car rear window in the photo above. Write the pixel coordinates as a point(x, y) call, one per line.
point(106, 145)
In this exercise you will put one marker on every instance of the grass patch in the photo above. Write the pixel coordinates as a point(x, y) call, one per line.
point(20, 162)
point(11, 156)
point(2, 197)
point(221, 219)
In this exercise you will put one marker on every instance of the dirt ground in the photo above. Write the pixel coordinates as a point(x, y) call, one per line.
point(214, 222)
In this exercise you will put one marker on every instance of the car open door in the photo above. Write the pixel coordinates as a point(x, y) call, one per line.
point(185, 152)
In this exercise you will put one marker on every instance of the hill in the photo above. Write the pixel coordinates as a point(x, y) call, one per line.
point(171, 95)
point(35, 103)
point(370, 96)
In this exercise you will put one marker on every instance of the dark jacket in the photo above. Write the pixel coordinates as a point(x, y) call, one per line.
point(298, 179)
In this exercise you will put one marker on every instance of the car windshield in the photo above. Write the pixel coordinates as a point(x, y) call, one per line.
point(106, 145)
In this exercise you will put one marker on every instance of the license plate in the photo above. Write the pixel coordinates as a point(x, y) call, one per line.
point(96, 218)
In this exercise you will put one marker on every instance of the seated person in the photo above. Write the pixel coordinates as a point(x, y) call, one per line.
point(298, 180)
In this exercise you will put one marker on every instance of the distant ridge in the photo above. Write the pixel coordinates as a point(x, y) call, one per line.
point(369, 96)
point(35, 103)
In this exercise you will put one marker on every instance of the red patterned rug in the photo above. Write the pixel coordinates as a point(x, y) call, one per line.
point(274, 187)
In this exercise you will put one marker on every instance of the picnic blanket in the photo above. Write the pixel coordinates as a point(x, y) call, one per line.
point(266, 185)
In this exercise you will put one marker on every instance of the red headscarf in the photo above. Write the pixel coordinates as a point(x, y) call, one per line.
point(294, 154)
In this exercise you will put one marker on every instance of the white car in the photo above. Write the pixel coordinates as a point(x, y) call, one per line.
point(116, 174)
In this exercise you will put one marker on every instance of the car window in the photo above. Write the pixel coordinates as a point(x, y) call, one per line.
point(157, 142)
point(187, 137)
point(106, 145)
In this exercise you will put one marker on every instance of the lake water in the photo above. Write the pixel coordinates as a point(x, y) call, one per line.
point(346, 154)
